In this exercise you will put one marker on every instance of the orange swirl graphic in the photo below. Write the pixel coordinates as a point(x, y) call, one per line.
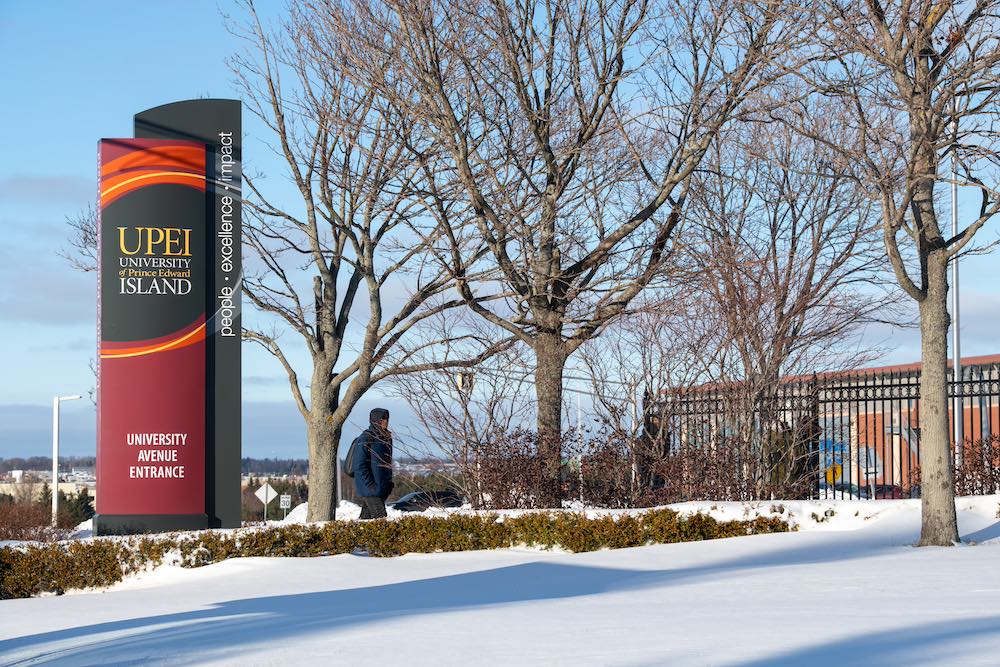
point(190, 338)
point(178, 157)
point(127, 185)
point(181, 165)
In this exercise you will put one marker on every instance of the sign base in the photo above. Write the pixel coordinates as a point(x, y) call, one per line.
point(133, 524)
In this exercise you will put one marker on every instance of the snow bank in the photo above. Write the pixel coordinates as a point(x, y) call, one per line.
point(84, 530)
point(297, 515)
point(845, 589)
point(804, 515)
point(346, 511)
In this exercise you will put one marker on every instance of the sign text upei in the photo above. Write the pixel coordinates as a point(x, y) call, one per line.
point(165, 242)
point(153, 243)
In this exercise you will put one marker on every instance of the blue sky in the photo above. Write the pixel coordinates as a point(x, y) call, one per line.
point(74, 73)
point(77, 71)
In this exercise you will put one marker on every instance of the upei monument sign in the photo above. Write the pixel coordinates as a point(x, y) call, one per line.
point(168, 388)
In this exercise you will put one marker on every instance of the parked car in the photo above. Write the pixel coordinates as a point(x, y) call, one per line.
point(841, 491)
point(915, 491)
point(888, 492)
point(418, 501)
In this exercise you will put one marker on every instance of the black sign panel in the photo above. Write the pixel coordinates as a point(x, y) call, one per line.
point(217, 124)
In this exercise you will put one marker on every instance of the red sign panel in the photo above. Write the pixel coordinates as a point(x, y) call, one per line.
point(151, 379)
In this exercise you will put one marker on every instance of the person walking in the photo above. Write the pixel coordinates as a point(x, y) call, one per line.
point(372, 465)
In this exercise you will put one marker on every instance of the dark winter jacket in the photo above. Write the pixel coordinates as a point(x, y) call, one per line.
point(373, 459)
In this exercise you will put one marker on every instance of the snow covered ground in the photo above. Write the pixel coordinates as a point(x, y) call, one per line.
point(844, 590)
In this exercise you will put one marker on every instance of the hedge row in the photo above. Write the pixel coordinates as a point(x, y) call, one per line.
point(28, 570)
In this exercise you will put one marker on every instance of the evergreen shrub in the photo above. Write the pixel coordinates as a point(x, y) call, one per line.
point(31, 569)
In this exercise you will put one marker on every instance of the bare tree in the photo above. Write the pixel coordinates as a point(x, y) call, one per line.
point(82, 250)
point(564, 137)
point(461, 413)
point(790, 261)
point(27, 491)
point(81, 254)
point(779, 270)
point(786, 250)
point(341, 252)
point(666, 341)
point(920, 80)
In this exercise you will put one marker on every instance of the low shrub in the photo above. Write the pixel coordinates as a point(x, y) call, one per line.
point(61, 566)
point(27, 570)
point(979, 470)
point(32, 521)
point(510, 473)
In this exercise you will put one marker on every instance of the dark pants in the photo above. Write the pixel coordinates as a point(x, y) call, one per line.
point(372, 507)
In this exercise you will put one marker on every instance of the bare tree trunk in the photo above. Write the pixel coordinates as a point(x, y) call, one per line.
point(551, 361)
point(323, 439)
point(939, 525)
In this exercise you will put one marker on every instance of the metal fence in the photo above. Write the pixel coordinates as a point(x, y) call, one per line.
point(840, 435)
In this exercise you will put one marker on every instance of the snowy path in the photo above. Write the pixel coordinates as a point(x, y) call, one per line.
point(817, 597)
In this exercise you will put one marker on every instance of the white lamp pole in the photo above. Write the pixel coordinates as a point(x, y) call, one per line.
point(958, 405)
point(56, 400)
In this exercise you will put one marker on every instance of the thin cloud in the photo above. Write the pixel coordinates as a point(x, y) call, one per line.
point(40, 287)
point(32, 188)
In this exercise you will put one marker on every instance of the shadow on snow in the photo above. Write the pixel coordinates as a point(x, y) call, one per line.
point(227, 629)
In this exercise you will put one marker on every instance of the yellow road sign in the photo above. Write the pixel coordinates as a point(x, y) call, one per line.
point(833, 473)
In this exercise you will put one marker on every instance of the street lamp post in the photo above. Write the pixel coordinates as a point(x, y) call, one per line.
point(958, 401)
point(56, 400)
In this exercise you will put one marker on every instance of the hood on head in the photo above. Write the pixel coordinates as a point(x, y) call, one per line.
point(377, 415)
